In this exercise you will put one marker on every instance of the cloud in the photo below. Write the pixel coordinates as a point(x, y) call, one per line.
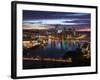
point(71, 14)
point(57, 21)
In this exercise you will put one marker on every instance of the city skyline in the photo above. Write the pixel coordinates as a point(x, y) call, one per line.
point(56, 39)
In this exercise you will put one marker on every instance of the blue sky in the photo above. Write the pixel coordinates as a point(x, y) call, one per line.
point(56, 18)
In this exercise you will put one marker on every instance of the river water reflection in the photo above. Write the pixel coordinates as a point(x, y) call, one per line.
point(57, 47)
point(64, 44)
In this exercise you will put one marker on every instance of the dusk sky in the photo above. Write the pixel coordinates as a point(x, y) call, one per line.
point(56, 18)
